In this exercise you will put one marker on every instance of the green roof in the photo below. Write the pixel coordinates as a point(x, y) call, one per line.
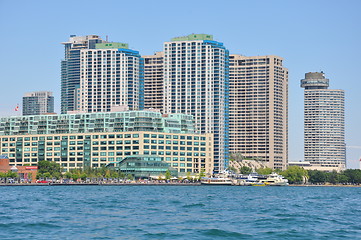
point(111, 45)
point(193, 37)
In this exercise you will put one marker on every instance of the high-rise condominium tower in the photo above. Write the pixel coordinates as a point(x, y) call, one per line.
point(70, 69)
point(37, 103)
point(196, 82)
point(98, 75)
point(258, 101)
point(324, 128)
point(111, 75)
point(153, 81)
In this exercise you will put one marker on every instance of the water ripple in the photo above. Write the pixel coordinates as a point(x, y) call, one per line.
point(187, 212)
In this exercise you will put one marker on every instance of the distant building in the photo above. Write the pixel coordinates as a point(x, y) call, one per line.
point(196, 81)
point(111, 75)
point(324, 123)
point(37, 103)
point(24, 172)
point(97, 139)
point(153, 81)
point(258, 103)
point(70, 69)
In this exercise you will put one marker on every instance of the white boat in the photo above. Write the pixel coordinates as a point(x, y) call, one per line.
point(275, 180)
point(216, 181)
point(246, 180)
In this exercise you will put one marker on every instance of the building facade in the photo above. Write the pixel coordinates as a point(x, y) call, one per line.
point(97, 139)
point(153, 81)
point(70, 69)
point(37, 103)
point(196, 75)
point(258, 100)
point(111, 75)
point(324, 119)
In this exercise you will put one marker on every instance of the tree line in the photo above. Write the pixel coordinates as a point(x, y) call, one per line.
point(298, 175)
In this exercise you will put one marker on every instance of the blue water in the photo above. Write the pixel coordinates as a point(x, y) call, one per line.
point(179, 212)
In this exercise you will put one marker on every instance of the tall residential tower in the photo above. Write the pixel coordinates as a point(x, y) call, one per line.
point(258, 101)
point(196, 81)
point(324, 130)
point(111, 75)
point(153, 81)
point(70, 69)
point(98, 75)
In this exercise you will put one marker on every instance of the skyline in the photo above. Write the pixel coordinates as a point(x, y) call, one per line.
point(310, 36)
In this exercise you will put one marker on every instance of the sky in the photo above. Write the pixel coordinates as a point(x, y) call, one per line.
point(311, 36)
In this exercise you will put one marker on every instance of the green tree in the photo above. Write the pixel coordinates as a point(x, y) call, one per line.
point(189, 178)
point(264, 171)
point(30, 176)
point(201, 174)
point(52, 168)
point(316, 176)
point(332, 177)
point(354, 175)
point(245, 170)
point(342, 178)
point(11, 174)
point(2, 175)
point(121, 175)
point(295, 174)
point(168, 175)
point(47, 175)
point(68, 175)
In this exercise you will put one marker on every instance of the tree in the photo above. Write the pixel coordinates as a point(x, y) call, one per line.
point(245, 170)
point(342, 178)
point(30, 176)
point(316, 176)
point(11, 174)
point(168, 175)
point(68, 175)
point(201, 174)
point(189, 178)
point(332, 177)
point(2, 175)
point(354, 175)
point(52, 168)
point(295, 174)
point(264, 171)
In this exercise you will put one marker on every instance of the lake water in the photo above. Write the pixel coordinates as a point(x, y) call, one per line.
point(179, 212)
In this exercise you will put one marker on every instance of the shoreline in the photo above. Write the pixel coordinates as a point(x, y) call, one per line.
point(156, 184)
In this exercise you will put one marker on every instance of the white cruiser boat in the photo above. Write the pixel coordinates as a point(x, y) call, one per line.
point(275, 180)
point(216, 181)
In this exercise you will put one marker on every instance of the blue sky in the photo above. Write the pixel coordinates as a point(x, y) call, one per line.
point(310, 35)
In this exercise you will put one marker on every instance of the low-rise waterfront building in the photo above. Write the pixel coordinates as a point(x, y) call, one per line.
point(97, 139)
point(24, 172)
point(145, 166)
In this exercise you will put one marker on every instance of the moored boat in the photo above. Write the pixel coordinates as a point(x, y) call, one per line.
point(275, 180)
point(216, 181)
